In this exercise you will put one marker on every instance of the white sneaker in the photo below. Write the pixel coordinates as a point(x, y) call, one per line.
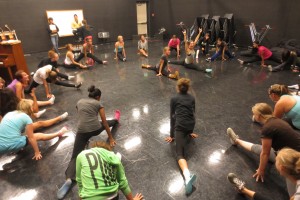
point(232, 136)
point(40, 113)
point(71, 78)
point(64, 116)
point(294, 87)
point(52, 99)
point(238, 183)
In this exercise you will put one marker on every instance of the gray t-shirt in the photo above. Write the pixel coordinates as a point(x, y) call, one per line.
point(88, 112)
point(143, 45)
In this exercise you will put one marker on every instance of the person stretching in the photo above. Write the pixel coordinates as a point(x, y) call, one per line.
point(143, 46)
point(189, 61)
point(160, 68)
point(182, 125)
point(98, 182)
point(88, 126)
point(203, 45)
point(45, 75)
point(120, 49)
point(12, 125)
point(88, 51)
point(174, 44)
point(221, 50)
point(70, 61)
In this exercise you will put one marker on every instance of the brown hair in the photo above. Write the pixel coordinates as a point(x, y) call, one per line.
point(290, 160)
point(101, 144)
point(68, 46)
point(2, 80)
point(166, 49)
point(84, 22)
point(183, 85)
point(25, 107)
point(263, 109)
point(18, 75)
point(52, 76)
point(51, 54)
point(279, 89)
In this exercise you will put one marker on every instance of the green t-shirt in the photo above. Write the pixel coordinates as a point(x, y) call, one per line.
point(100, 173)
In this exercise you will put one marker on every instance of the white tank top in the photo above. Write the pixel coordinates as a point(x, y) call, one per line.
point(190, 58)
point(68, 61)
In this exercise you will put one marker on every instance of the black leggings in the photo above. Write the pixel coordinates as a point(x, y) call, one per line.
point(188, 66)
point(156, 69)
point(81, 55)
point(172, 48)
point(181, 139)
point(81, 140)
point(120, 56)
point(256, 58)
point(258, 196)
point(34, 84)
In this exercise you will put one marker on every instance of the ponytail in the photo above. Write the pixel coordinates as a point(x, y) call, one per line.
point(94, 92)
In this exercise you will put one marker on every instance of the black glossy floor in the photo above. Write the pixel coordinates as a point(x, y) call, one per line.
point(223, 99)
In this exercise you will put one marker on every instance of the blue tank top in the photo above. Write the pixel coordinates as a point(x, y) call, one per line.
point(120, 49)
point(294, 113)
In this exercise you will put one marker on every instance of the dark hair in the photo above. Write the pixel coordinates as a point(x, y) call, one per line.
point(8, 101)
point(85, 24)
point(285, 55)
point(75, 15)
point(94, 92)
point(256, 42)
point(142, 35)
point(219, 39)
point(18, 75)
point(183, 85)
point(50, 18)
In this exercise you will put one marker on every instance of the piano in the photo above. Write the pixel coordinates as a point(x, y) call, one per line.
point(11, 59)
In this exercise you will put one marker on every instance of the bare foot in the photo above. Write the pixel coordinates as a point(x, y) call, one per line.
point(194, 135)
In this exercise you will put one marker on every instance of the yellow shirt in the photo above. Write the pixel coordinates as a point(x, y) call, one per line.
point(76, 25)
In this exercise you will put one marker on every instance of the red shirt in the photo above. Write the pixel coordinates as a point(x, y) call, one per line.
point(173, 43)
point(264, 52)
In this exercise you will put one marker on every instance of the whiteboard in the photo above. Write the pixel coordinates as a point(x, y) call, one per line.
point(63, 19)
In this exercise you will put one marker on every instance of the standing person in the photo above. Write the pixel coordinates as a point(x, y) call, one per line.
point(53, 32)
point(85, 31)
point(120, 49)
point(182, 125)
point(260, 53)
point(174, 44)
point(275, 135)
point(12, 125)
point(97, 182)
point(88, 126)
point(2, 83)
point(45, 75)
point(203, 45)
point(88, 52)
point(69, 60)
point(287, 106)
point(189, 61)
point(143, 46)
point(287, 164)
point(162, 67)
point(221, 50)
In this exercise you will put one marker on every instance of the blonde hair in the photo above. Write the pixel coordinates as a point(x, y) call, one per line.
point(68, 47)
point(101, 144)
point(279, 89)
point(25, 107)
point(290, 160)
point(263, 109)
point(2, 80)
point(183, 85)
point(52, 76)
point(166, 49)
point(119, 37)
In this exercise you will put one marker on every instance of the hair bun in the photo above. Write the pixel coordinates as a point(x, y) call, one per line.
point(91, 88)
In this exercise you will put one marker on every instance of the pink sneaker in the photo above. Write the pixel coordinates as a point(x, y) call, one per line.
point(117, 115)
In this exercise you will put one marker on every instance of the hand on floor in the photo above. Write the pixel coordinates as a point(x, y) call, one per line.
point(112, 142)
point(259, 175)
point(194, 135)
point(169, 139)
point(138, 196)
point(37, 156)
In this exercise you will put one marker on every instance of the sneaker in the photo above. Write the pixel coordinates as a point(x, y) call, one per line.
point(117, 115)
point(32, 73)
point(40, 113)
point(270, 68)
point(232, 136)
point(62, 131)
point(78, 85)
point(71, 78)
point(240, 61)
point(64, 116)
point(238, 183)
point(294, 87)
point(52, 99)
point(208, 59)
point(104, 62)
point(61, 193)
point(189, 184)
point(124, 59)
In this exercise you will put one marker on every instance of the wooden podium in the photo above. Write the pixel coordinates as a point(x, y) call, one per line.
point(11, 59)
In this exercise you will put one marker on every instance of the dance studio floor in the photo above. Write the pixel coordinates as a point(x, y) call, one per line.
point(223, 99)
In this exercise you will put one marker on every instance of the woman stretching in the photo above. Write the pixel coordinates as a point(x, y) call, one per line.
point(221, 50)
point(9, 102)
point(287, 106)
point(2, 83)
point(188, 62)
point(46, 75)
point(69, 60)
point(275, 135)
point(182, 126)
point(120, 49)
point(143, 46)
point(88, 126)
point(287, 164)
point(162, 67)
point(12, 125)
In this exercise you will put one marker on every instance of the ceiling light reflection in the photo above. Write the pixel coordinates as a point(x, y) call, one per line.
point(28, 195)
point(6, 160)
point(136, 113)
point(146, 109)
point(132, 143)
point(216, 156)
point(165, 128)
point(176, 185)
